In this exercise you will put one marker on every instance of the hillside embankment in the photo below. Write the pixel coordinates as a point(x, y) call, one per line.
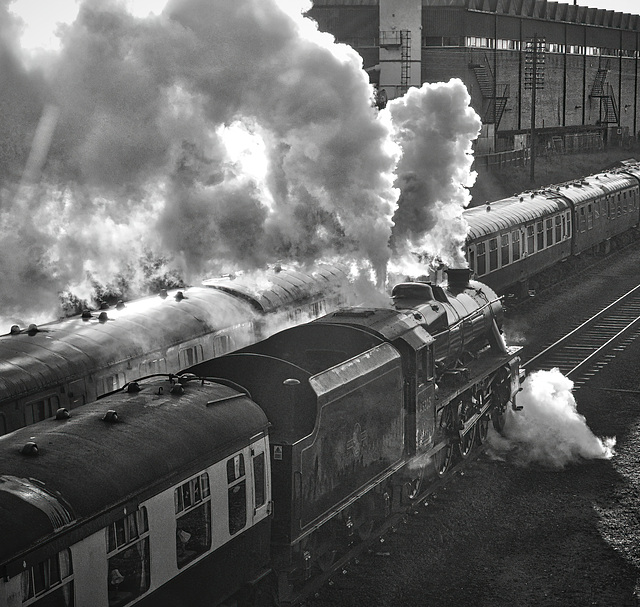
point(490, 186)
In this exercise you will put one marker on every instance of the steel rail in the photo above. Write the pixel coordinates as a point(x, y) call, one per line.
point(593, 335)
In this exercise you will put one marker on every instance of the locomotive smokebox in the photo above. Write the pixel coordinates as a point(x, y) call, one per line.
point(458, 278)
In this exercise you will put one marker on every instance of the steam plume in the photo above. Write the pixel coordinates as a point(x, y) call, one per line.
point(549, 431)
point(434, 126)
point(220, 135)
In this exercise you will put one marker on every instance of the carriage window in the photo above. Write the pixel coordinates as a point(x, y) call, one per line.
point(193, 519)
point(221, 345)
point(612, 209)
point(41, 409)
point(515, 245)
point(110, 383)
point(259, 487)
point(237, 494)
point(504, 249)
point(589, 217)
point(596, 210)
point(549, 226)
point(481, 258)
point(50, 582)
point(156, 365)
point(530, 240)
point(568, 219)
point(128, 558)
point(190, 356)
point(540, 235)
point(558, 229)
point(493, 254)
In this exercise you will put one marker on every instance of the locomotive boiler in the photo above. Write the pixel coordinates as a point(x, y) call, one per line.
point(463, 316)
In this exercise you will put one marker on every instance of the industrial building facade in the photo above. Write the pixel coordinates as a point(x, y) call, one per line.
point(586, 63)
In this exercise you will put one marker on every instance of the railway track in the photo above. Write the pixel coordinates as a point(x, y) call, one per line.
point(589, 347)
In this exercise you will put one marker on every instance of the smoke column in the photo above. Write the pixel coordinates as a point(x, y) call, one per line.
point(549, 431)
point(434, 126)
point(219, 135)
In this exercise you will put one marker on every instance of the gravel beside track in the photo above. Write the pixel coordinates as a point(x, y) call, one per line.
point(501, 535)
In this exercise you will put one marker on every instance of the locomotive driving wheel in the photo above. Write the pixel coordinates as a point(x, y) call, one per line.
point(501, 395)
point(442, 458)
point(465, 412)
point(483, 428)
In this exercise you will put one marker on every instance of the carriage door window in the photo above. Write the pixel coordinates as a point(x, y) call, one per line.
point(193, 519)
point(128, 558)
point(540, 236)
point(236, 480)
point(530, 240)
point(549, 226)
point(504, 249)
point(612, 208)
point(259, 484)
point(41, 409)
point(472, 259)
point(49, 582)
point(558, 228)
point(515, 245)
point(589, 217)
point(493, 254)
point(481, 258)
point(568, 233)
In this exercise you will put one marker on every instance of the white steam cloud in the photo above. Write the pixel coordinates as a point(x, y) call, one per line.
point(549, 431)
point(220, 135)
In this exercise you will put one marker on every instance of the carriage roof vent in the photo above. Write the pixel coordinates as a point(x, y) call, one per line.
point(163, 293)
point(15, 329)
point(86, 314)
point(179, 296)
point(62, 413)
point(120, 305)
point(104, 305)
point(111, 416)
point(103, 317)
point(29, 448)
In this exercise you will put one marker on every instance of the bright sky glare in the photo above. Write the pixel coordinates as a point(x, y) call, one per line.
point(41, 18)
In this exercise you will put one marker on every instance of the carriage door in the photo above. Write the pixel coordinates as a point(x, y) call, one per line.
point(261, 485)
point(76, 393)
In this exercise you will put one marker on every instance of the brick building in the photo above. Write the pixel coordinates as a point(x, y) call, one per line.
point(588, 59)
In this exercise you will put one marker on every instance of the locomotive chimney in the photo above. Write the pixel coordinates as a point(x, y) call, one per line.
point(458, 278)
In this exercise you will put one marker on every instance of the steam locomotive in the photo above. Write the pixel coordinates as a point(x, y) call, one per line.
point(73, 361)
point(243, 479)
point(513, 241)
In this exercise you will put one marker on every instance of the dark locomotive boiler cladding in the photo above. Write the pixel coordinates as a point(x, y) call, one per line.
point(462, 315)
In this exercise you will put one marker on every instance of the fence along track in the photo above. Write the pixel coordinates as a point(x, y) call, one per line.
point(589, 347)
